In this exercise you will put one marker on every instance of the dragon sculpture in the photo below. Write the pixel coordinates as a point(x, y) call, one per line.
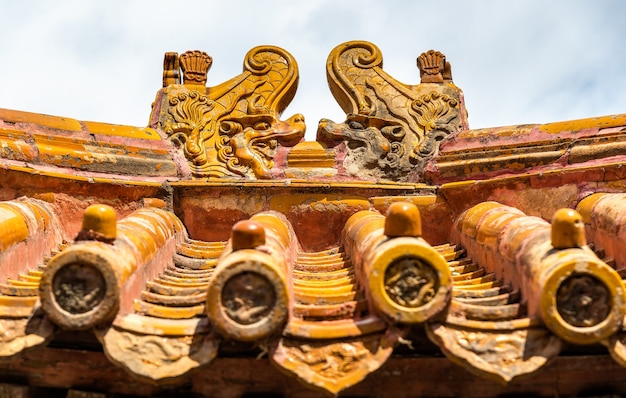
point(392, 128)
point(232, 130)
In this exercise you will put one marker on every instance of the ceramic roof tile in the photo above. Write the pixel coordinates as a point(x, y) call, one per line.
point(217, 235)
point(30, 233)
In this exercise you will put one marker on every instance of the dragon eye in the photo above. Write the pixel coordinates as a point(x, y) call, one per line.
point(356, 125)
point(261, 126)
point(228, 127)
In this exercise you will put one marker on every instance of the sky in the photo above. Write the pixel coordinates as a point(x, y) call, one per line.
point(518, 62)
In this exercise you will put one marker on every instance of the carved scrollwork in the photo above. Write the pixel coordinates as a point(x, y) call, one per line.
point(190, 124)
point(434, 113)
point(277, 71)
point(426, 113)
point(343, 69)
point(233, 129)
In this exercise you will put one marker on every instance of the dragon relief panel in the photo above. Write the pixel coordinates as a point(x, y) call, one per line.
point(20, 333)
point(155, 358)
point(334, 365)
point(233, 129)
point(502, 354)
point(392, 129)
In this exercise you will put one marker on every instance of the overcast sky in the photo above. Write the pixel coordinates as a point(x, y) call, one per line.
point(517, 61)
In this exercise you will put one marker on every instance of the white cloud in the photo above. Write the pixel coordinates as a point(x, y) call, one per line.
point(517, 61)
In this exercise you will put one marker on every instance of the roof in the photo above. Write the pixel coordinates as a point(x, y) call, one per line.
point(178, 252)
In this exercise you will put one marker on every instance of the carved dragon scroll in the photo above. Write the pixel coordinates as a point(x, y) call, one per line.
point(232, 129)
point(392, 128)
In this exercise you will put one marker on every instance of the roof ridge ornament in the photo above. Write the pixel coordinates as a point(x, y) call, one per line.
point(431, 65)
point(195, 65)
point(232, 129)
point(171, 69)
point(421, 115)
